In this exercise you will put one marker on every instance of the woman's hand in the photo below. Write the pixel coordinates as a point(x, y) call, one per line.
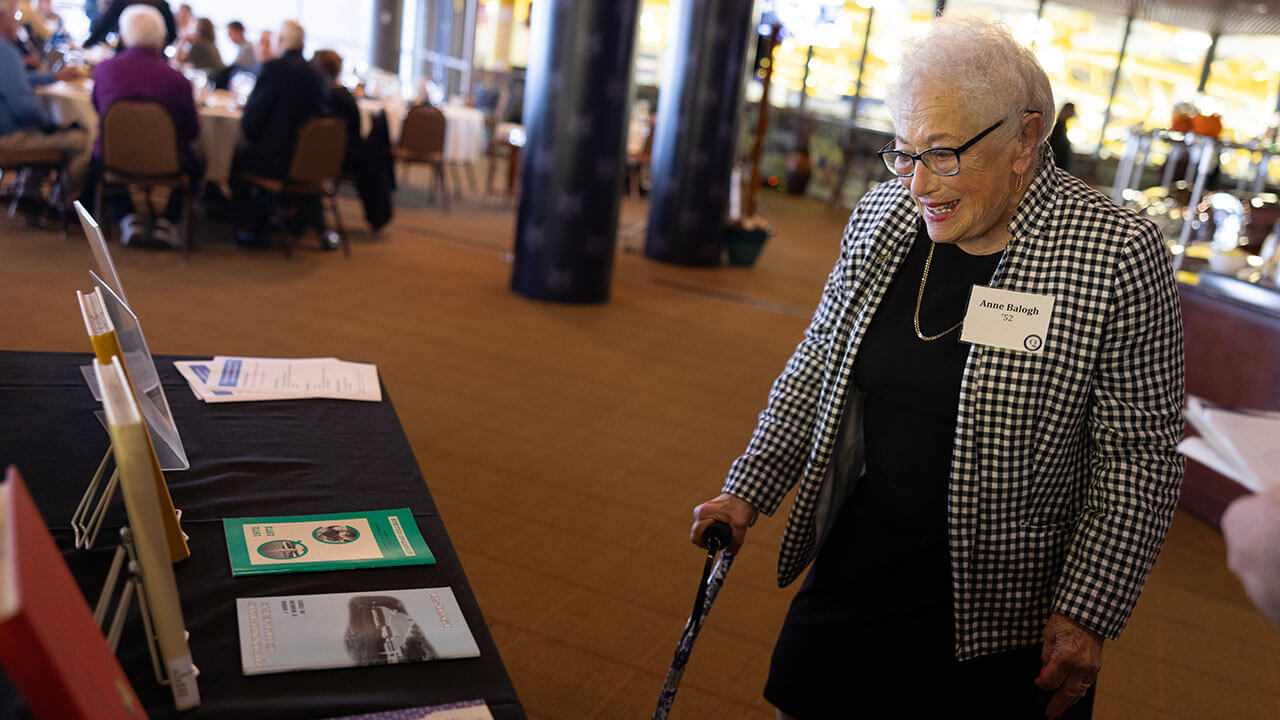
point(731, 509)
point(1071, 658)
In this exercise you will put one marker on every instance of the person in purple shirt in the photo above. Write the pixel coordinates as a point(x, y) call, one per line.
point(141, 72)
point(24, 125)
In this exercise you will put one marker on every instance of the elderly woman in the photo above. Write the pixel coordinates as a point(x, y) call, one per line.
point(981, 417)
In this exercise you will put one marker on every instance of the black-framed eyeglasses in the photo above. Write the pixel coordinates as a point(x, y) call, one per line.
point(943, 161)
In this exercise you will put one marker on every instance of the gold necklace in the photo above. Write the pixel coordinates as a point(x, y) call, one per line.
point(920, 299)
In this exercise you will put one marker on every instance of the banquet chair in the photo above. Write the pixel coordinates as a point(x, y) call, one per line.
point(638, 165)
point(422, 141)
point(314, 171)
point(42, 162)
point(507, 141)
point(140, 147)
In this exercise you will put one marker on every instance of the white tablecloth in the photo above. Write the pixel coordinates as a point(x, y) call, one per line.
point(395, 115)
point(464, 134)
point(219, 133)
point(219, 125)
point(69, 102)
point(464, 137)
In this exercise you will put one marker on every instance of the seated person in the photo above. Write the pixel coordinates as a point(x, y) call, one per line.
point(33, 33)
point(245, 56)
point(490, 98)
point(266, 48)
point(202, 52)
point(110, 21)
point(288, 93)
point(40, 20)
point(246, 59)
point(141, 73)
point(341, 104)
point(185, 22)
point(93, 10)
point(24, 126)
point(368, 161)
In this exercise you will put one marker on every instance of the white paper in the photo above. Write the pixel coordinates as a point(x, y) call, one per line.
point(241, 379)
point(1200, 451)
point(1007, 319)
point(197, 372)
point(1239, 444)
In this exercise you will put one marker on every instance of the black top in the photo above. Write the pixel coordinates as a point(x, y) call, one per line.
point(110, 21)
point(1061, 146)
point(343, 106)
point(913, 392)
point(877, 603)
point(288, 93)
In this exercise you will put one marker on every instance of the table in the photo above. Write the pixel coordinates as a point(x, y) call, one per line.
point(395, 109)
point(219, 125)
point(464, 130)
point(464, 135)
point(270, 458)
point(219, 133)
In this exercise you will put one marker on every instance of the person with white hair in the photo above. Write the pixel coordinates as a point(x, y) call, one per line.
point(141, 72)
point(289, 92)
point(981, 418)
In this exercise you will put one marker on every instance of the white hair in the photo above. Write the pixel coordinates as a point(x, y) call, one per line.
point(143, 26)
point(291, 36)
point(979, 59)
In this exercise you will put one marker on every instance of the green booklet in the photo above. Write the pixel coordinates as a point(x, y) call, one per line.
point(335, 541)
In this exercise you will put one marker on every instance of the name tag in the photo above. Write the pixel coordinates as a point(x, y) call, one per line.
point(1007, 319)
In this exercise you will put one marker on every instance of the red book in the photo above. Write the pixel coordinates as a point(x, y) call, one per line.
point(49, 644)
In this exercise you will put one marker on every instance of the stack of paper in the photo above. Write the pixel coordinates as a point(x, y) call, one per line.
point(1240, 444)
point(242, 379)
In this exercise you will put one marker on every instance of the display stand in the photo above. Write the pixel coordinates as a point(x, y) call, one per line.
point(144, 378)
point(123, 595)
point(86, 522)
point(111, 345)
point(146, 545)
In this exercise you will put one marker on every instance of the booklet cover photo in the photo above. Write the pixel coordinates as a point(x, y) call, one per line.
point(334, 630)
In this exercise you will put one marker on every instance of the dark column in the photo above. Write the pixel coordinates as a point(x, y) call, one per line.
point(386, 34)
point(697, 125)
point(575, 117)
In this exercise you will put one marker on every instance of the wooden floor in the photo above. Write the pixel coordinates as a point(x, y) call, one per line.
point(566, 445)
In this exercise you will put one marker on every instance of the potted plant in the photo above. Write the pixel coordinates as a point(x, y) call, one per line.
point(744, 239)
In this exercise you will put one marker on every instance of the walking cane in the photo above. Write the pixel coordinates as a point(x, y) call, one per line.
point(716, 538)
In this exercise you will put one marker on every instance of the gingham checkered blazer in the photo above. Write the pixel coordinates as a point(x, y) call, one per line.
point(1064, 475)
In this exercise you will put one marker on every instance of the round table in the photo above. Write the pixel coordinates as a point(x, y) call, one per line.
point(464, 132)
point(219, 124)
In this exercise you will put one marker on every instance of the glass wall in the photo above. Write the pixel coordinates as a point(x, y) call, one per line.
point(1244, 82)
point(891, 22)
point(1079, 50)
point(1161, 69)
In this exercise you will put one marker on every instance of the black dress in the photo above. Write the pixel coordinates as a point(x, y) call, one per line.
point(870, 632)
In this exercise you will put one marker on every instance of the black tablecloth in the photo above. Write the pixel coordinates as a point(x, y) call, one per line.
point(247, 459)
